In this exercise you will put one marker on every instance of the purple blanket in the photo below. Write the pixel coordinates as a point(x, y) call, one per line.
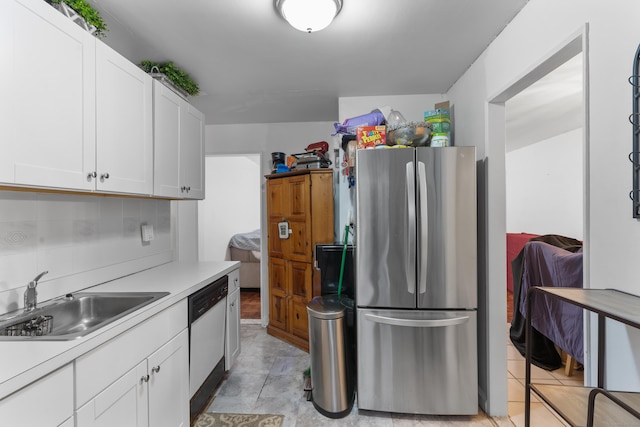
point(547, 265)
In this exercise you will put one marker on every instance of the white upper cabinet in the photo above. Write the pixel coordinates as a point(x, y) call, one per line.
point(178, 146)
point(192, 152)
point(74, 114)
point(47, 106)
point(166, 140)
point(124, 139)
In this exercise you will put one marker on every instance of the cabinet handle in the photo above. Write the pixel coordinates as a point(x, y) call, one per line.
point(233, 304)
point(155, 369)
point(188, 189)
point(144, 379)
point(92, 175)
point(183, 189)
point(104, 176)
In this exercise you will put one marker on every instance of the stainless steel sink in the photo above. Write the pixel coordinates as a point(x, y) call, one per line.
point(72, 316)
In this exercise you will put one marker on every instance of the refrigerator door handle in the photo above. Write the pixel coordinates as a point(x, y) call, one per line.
point(423, 227)
point(417, 323)
point(411, 211)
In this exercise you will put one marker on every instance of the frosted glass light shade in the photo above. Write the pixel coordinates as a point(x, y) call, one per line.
point(309, 15)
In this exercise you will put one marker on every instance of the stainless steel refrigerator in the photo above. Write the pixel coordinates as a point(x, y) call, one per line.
point(416, 280)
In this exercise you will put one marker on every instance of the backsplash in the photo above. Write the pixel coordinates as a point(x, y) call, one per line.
point(80, 240)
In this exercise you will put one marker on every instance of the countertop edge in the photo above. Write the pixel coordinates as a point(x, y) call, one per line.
point(180, 279)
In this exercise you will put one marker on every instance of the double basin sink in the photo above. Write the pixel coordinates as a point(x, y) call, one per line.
point(72, 316)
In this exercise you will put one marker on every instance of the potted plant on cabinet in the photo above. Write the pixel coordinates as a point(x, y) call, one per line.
point(168, 72)
point(83, 14)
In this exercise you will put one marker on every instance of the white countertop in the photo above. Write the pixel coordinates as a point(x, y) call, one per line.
point(23, 362)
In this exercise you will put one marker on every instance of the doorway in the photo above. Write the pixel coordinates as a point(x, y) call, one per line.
point(540, 124)
point(231, 214)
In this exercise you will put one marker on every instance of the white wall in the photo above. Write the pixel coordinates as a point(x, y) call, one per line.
point(611, 235)
point(265, 139)
point(81, 240)
point(544, 187)
point(229, 178)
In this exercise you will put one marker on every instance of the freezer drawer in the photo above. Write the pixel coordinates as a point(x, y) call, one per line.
point(419, 362)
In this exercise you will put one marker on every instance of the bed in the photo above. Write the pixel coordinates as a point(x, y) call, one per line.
point(548, 260)
point(245, 247)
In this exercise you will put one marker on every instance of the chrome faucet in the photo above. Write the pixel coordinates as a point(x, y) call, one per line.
point(30, 295)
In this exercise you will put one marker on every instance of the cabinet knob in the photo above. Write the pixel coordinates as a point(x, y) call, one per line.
point(183, 189)
point(155, 369)
point(188, 189)
point(144, 379)
point(92, 175)
point(104, 176)
point(233, 304)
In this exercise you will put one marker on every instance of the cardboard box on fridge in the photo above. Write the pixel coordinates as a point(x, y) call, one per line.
point(371, 136)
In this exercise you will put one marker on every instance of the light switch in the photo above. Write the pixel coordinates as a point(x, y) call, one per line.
point(147, 232)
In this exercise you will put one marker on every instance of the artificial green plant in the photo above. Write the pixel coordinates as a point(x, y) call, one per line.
point(174, 74)
point(89, 14)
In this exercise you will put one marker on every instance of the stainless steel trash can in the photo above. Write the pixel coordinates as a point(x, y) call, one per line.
point(331, 382)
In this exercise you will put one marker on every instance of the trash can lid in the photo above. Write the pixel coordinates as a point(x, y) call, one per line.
point(327, 307)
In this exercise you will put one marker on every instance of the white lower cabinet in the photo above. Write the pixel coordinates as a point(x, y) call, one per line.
point(232, 338)
point(47, 402)
point(124, 403)
point(152, 394)
point(169, 384)
point(139, 378)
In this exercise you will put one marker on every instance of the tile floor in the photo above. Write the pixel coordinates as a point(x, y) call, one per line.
point(540, 414)
point(268, 378)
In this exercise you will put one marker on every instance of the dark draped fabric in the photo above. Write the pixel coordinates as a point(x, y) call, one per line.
point(544, 353)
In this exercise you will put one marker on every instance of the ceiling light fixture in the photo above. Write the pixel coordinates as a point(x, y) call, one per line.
point(309, 15)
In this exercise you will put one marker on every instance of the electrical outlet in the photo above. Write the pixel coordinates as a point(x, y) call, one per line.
point(147, 232)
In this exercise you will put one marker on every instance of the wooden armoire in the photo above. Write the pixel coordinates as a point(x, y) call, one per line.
point(300, 215)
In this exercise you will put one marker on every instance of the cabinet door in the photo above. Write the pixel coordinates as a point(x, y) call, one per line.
point(47, 106)
point(123, 404)
point(300, 291)
point(69, 423)
point(277, 209)
point(46, 403)
point(232, 348)
point(299, 215)
point(191, 152)
point(166, 141)
point(169, 384)
point(278, 296)
point(124, 141)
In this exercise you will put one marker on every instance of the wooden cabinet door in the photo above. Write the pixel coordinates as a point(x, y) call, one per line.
point(47, 101)
point(123, 403)
point(169, 384)
point(300, 286)
point(299, 216)
point(277, 194)
point(124, 140)
point(278, 294)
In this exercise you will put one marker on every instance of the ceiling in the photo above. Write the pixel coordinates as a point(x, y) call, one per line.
point(549, 107)
point(252, 67)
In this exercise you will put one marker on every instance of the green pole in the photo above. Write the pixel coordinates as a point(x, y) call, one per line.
point(344, 257)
